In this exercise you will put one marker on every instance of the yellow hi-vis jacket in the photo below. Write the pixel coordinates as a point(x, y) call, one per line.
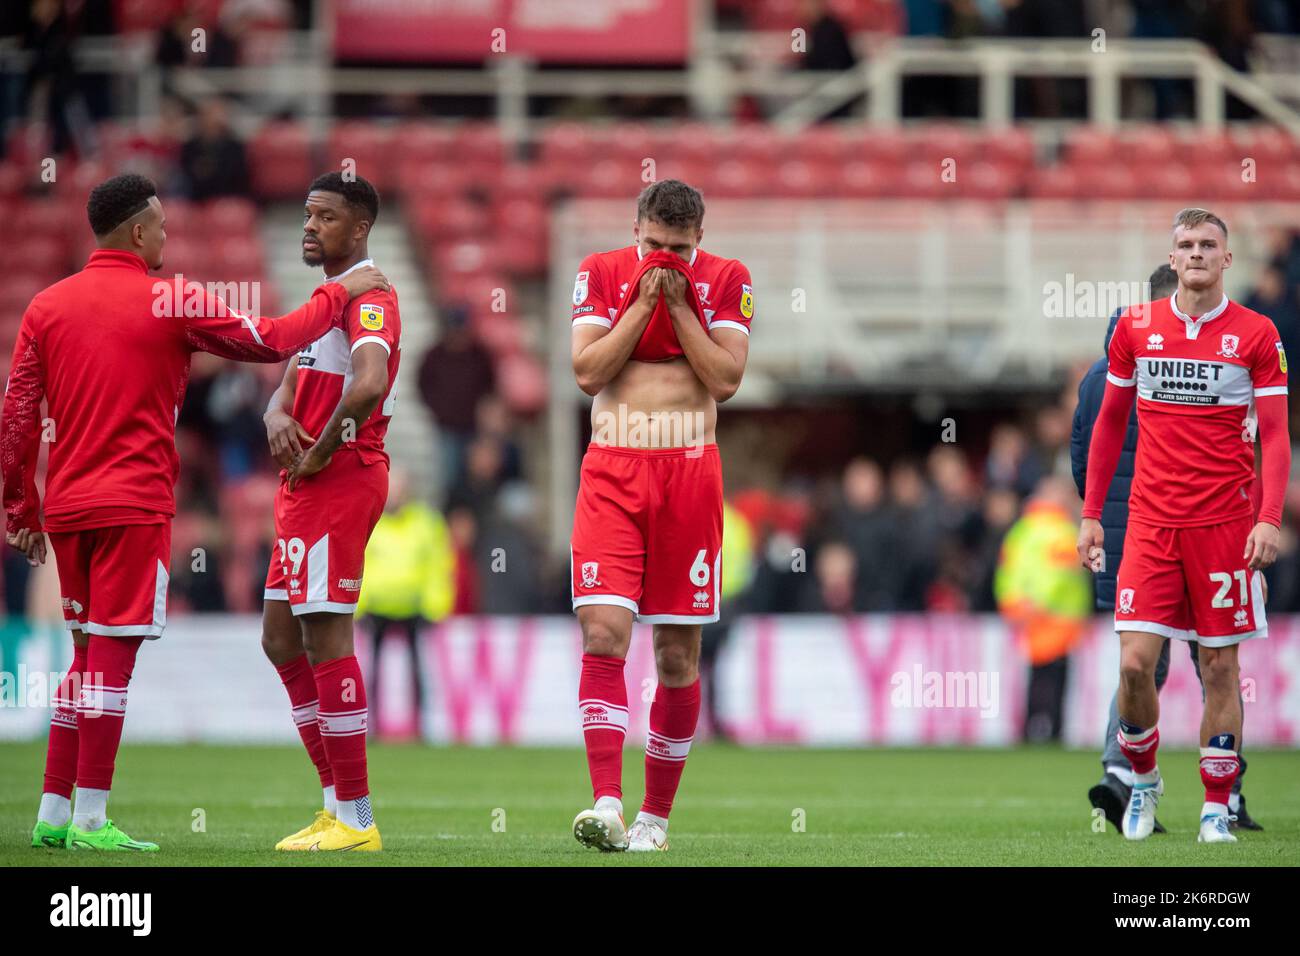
point(410, 565)
point(1040, 586)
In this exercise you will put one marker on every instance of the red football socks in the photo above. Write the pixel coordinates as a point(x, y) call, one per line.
point(341, 716)
point(602, 704)
point(300, 682)
point(102, 707)
point(673, 716)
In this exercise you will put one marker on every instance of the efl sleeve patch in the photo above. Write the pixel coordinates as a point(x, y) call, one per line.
point(1281, 357)
point(747, 301)
point(372, 317)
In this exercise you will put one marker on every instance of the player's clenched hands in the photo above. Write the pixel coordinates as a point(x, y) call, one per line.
point(1261, 545)
point(310, 463)
point(365, 279)
point(673, 286)
point(1091, 538)
point(30, 543)
point(649, 287)
point(286, 437)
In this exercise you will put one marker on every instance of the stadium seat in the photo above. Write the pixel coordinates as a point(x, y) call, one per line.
point(443, 218)
point(284, 163)
point(864, 179)
point(1090, 146)
point(522, 383)
point(230, 216)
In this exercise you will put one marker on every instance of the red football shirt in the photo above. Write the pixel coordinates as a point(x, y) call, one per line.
point(1197, 381)
point(724, 286)
point(325, 368)
point(111, 358)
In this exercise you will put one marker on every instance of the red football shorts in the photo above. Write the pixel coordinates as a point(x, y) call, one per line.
point(1190, 583)
point(647, 532)
point(321, 531)
point(113, 580)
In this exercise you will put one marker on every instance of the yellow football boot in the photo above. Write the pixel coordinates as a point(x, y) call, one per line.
point(324, 820)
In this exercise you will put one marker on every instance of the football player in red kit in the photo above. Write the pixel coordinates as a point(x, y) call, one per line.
point(1209, 376)
point(326, 425)
point(660, 336)
point(109, 350)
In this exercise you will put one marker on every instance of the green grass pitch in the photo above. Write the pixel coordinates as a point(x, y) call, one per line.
point(496, 806)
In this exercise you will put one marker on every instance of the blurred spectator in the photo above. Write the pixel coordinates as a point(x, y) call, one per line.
point(179, 45)
point(53, 92)
point(236, 402)
point(1281, 303)
point(829, 47)
point(863, 523)
point(506, 552)
point(455, 375)
point(464, 534)
point(410, 581)
point(1046, 599)
point(1001, 508)
point(213, 161)
point(829, 589)
point(915, 535)
point(1011, 463)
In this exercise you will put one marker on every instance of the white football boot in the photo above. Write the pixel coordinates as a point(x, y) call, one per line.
point(1140, 814)
point(645, 836)
point(602, 828)
point(1214, 828)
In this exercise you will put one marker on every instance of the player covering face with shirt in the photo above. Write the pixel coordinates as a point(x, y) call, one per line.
point(660, 336)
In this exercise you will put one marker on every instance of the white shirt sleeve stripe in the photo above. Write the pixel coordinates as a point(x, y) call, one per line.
point(371, 338)
point(728, 324)
point(251, 327)
point(1121, 382)
point(1275, 390)
point(594, 320)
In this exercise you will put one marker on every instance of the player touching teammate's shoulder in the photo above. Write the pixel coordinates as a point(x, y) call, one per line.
point(374, 317)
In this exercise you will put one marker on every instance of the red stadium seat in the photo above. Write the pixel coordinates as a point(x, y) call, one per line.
point(1149, 145)
point(282, 163)
point(500, 334)
point(521, 380)
point(230, 216)
point(1056, 182)
point(1089, 146)
point(738, 177)
point(798, 179)
point(865, 179)
point(992, 181)
point(942, 141)
point(1010, 147)
point(440, 219)
point(480, 291)
point(13, 179)
point(924, 179)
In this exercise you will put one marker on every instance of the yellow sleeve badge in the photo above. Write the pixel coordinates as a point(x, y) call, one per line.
point(747, 301)
point(372, 317)
point(1281, 356)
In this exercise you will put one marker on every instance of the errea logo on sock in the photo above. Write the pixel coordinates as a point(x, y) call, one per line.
point(103, 909)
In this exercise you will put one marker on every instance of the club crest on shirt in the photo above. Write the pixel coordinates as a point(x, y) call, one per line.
point(703, 289)
point(747, 301)
point(372, 317)
point(580, 288)
point(1126, 601)
point(1229, 346)
point(1281, 356)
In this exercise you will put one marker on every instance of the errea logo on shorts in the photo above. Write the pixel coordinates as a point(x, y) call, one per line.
point(1126, 601)
point(701, 599)
point(1240, 619)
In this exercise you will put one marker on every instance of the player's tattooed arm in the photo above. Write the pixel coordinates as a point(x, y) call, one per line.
point(367, 389)
point(717, 357)
point(284, 434)
point(599, 354)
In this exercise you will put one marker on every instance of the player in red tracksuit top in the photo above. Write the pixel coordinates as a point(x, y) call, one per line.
point(326, 425)
point(1209, 377)
point(108, 349)
point(660, 336)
